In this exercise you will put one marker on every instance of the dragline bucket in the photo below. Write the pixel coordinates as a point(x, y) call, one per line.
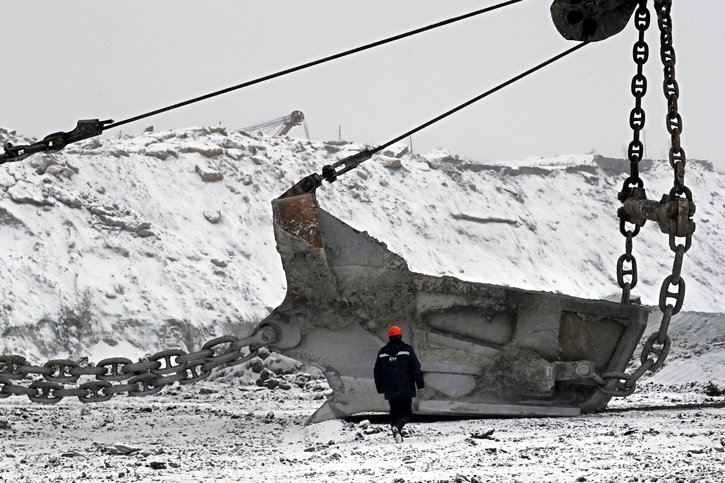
point(484, 349)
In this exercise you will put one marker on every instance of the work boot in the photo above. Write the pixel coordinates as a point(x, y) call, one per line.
point(396, 434)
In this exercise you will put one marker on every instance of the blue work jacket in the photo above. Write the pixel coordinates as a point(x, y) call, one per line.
point(397, 371)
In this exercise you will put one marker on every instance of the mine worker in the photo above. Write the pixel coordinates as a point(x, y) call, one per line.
point(397, 373)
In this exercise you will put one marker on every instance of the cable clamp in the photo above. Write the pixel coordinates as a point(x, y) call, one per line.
point(85, 128)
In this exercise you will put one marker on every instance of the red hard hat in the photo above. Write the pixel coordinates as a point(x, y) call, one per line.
point(394, 331)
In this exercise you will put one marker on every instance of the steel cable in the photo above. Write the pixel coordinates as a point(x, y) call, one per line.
point(356, 159)
point(313, 63)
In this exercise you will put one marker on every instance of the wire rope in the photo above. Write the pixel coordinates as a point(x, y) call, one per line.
point(354, 160)
point(313, 63)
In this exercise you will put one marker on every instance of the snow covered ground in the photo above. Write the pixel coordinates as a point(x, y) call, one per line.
point(130, 245)
point(226, 431)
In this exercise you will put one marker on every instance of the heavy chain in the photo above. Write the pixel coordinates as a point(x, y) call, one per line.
point(635, 152)
point(143, 378)
point(658, 344)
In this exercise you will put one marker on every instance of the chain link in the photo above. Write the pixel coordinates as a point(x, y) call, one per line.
point(672, 292)
point(143, 378)
point(635, 152)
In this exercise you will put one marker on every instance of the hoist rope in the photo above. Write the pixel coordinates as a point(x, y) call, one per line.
point(353, 161)
point(314, 63)
point(485, 94)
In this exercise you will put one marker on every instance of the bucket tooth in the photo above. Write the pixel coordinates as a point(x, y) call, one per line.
point(484, 349)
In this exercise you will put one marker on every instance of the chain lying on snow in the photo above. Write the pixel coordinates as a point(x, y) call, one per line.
point(143, 378)
point(657, 346)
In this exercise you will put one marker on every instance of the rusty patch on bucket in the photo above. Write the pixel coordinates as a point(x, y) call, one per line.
point(297, 215)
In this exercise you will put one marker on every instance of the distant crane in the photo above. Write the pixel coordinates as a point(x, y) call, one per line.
point(281, 125)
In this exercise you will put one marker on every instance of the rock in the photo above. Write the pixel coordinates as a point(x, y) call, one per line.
point(205, 150)
point(314, 386)
point(219, 263)
point(71, 454)
point(120, 449)
point(103, 210)
point(30, 194)
point(60, 171)
point(85, 411)
point(271, 383)
point(393, 164)
point(5, 424)
point(213, 217)
point(42, 163)
point(8, 219)
point(64, 197)
point(158, 465)
point(256, 365)
point(118, 153)
point(91, 144)
point(486, 435)
point(215, 130)
point(282, 365)
point(160, 151)
point(208, 175)
point(265, 374)
point(263, 353)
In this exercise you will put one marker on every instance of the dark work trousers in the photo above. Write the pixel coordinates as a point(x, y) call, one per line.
point(400, 411)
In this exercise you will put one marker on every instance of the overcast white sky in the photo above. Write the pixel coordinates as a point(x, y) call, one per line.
point(64, 61)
